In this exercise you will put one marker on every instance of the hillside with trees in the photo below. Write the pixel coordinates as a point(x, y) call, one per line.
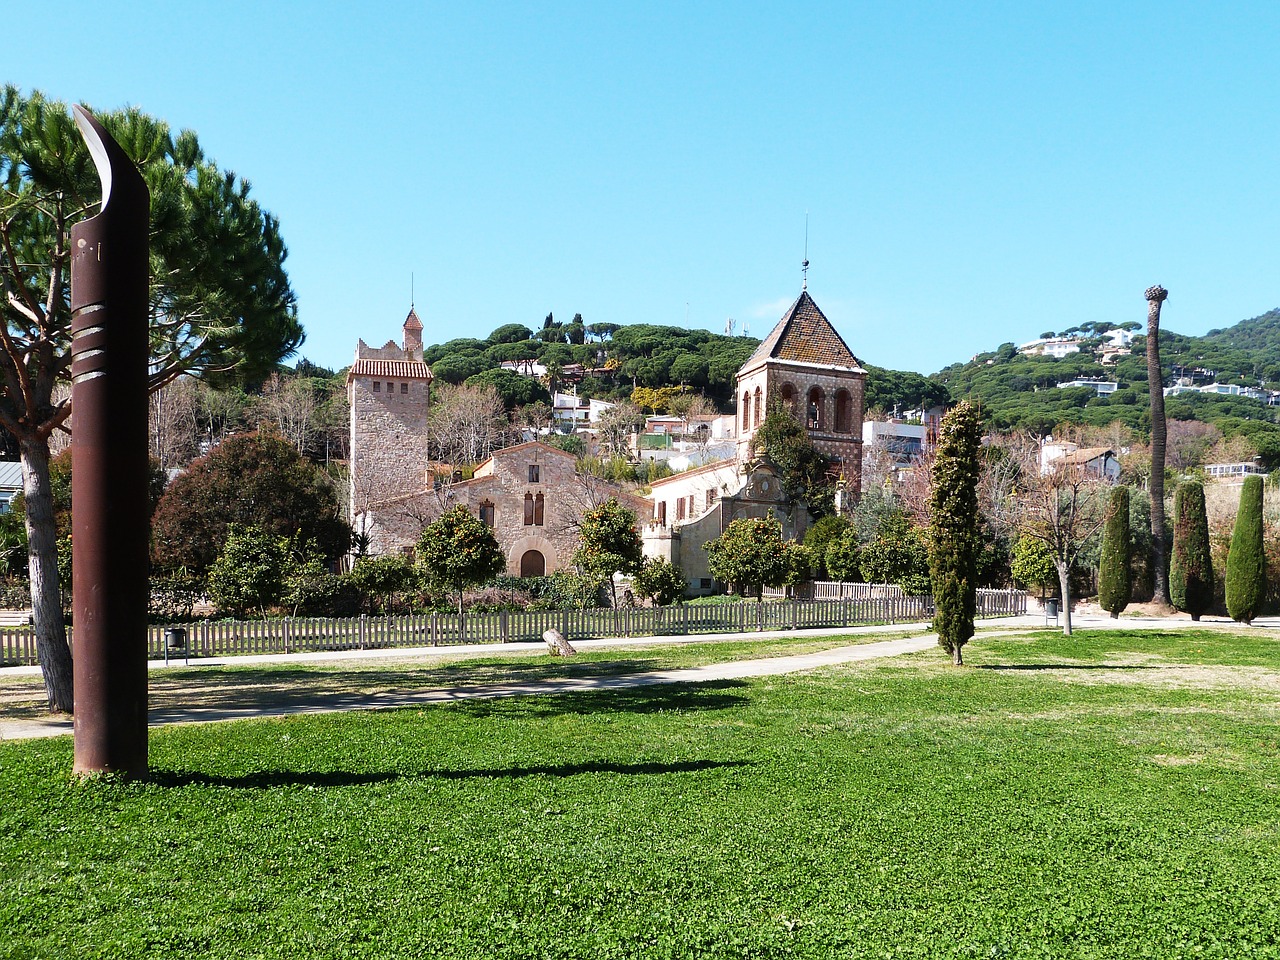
point(1020, 391)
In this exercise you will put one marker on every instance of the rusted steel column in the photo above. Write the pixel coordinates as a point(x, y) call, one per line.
point(109, 516)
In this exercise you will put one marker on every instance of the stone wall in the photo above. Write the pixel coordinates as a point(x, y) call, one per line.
point(388, 438)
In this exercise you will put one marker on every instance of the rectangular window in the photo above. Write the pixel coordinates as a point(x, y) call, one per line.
point(533, 473)
point(528, 509)
point(404, 388)
point(537, 510)
point(680, 508)
point(391, 388)
point(692, 508)
point(711, 497)
point(377, 386)
point(486, 514)
point(662, 512)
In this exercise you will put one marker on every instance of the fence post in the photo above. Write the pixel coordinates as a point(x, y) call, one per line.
point(360, 631)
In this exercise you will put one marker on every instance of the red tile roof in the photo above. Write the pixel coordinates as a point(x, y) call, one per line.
point(395, 369)
point(805, 335)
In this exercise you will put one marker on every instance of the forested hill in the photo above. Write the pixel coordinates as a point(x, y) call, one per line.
point(609, 362)
point(1022, 392)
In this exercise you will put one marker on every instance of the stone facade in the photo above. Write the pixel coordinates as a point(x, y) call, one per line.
point(807, 365)
point(388, 389)
point(531, 494)
point(757, 494)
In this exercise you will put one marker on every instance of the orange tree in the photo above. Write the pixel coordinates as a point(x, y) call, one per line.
point(459, 551)
point(608, 543)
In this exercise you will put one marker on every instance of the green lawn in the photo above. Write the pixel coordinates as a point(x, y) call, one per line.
point(1111, 794)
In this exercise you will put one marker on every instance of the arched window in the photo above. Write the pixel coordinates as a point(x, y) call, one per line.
point(844, 411)
point(789, 396)
point(746, 411)
point(757, 408)
point(528, 509)
point(533, 564)
point(537, 510)
point(814, 418)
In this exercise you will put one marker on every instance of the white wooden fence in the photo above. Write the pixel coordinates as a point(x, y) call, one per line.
point(303, 634)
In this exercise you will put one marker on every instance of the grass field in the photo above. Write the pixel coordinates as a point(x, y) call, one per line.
point(1113, 794)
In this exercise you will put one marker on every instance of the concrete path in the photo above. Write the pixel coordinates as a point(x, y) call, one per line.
point(732, 670)
point(333, 703)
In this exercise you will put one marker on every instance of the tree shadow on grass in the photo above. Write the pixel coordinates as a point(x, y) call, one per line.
point(292, 689)
point(648, 698)
point(1072, 666)
point(513, 699)
point(271, 779)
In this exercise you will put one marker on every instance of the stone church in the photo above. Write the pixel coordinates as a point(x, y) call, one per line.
point(530, 494)
point(805, 364)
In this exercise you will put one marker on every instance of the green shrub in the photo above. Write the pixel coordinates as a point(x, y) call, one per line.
point(1114, 581)
point(1190, 566)
point(1246, 562)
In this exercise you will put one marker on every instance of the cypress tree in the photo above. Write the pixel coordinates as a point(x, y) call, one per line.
point(1115, 585)
point(1246, 563)
point(956, 540)
point(1190, 569)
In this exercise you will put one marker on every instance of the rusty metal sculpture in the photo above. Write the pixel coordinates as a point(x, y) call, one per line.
point(109, 357)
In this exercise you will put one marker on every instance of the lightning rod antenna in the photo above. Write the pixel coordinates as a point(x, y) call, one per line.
point(804, 266)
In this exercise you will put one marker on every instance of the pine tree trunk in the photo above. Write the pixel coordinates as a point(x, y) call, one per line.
point(1155, 384)
point(46, 592)
point(1064, 583)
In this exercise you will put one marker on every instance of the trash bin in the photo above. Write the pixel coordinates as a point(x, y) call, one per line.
point(1051, 608)
point(175, 638)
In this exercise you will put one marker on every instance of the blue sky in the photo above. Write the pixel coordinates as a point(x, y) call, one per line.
point(973, 172)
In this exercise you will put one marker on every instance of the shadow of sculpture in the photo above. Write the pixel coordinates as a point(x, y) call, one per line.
point(272, 779)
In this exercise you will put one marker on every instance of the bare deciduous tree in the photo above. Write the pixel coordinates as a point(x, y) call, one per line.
point(1062, 509)
point(467, 424)
point(615, 427)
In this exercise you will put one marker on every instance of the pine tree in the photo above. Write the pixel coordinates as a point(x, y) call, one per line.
point(1190, 569)
point(1246, 563)
point(956, 539)
point(1115, 584)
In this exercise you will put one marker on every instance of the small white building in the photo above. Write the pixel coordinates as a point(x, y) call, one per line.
point(904, 442)
point(1098, 461)
point(1056, 347)
point(10, 483)
point(569, 408)
point(1220, 389)
point(1231, 471)
point(686, 496)
point(1102, 388)
point(525, 368)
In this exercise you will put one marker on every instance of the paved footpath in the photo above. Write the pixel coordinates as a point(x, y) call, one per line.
point(732, 670)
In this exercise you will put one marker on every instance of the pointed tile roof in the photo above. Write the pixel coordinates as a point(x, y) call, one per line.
point(411, 322)
point(805, 335)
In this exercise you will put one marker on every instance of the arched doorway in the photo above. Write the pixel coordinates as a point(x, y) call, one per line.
point(533, 564)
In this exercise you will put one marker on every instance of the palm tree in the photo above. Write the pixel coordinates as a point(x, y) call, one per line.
point(1155, 382)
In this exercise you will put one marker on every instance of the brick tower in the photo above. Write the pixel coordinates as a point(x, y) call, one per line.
point(388, 389)
point(807, 365)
